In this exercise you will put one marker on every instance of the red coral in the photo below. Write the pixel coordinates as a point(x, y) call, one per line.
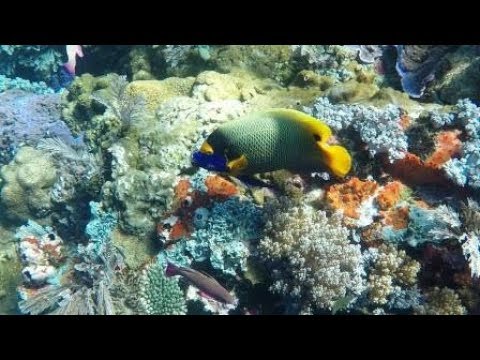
point(412, 170)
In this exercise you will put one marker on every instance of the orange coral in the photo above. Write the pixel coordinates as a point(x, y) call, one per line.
point(412, 170)
point(389, 195)
point(182, 189)
point(218, 186)
point(350, 195)
point(396, 218)
point(405, 121)
point(178, 231)
point(447, 145)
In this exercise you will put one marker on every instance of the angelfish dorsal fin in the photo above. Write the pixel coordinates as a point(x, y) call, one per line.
point(311, 124)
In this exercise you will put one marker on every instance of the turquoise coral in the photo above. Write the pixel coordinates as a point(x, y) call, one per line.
point(223, 240)
point(160, 295)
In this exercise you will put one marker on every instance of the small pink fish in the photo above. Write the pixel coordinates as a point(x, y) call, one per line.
point(204, 282)
point(72, 52)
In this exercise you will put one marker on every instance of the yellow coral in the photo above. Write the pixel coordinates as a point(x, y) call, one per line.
point(442, 301)
point(157, 92)
point(391, 265)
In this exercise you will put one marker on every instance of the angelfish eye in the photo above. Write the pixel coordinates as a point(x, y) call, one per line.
point(317, 137)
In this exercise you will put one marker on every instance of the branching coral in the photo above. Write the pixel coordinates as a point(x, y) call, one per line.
point(391, 268)
point(441, 301)
point(464, 171)
point(160, 295)
point(380, 129)
point(222, 236)
point(310, 256)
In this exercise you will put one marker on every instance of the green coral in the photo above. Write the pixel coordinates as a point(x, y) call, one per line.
point(160, 295)
point(28, 181)
point(84, 114)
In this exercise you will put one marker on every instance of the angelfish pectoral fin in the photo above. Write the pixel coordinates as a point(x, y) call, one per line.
point(206, 148)
point(237, 165)
point(337, 158)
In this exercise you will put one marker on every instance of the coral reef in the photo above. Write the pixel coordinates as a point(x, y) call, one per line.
point(392, 268)
point(27, 183)
point(34, 62)
point(26, 118)
point(158, 294)
point(312, 262)
point(441, 301)
point(379, 129)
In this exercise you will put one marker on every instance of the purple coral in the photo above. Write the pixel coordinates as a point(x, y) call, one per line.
point(25, 118)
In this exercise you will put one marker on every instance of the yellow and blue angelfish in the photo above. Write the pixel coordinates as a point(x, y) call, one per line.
point(273, 140)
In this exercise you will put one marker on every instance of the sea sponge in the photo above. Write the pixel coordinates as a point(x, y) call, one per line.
point(447, 146)
point(219, 187)
point(413, 170)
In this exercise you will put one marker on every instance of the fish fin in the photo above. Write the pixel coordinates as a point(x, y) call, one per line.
point(206, 148)
point(337, 158)
point(235, 166)
point(316, 127)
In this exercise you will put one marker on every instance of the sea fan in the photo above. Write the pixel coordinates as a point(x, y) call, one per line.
point(124, 105)
point(46, 298)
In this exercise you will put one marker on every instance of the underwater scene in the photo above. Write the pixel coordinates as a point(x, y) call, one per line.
point(239, 179)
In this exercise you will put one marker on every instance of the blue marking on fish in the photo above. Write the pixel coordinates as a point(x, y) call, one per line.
point(213, 162)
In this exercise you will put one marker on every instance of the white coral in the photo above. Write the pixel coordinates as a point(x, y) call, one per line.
point(311, 255)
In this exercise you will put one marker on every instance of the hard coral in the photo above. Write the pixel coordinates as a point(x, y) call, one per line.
point(311, 259)
point(392, 267)
point(160, 295)
point(442, 301)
